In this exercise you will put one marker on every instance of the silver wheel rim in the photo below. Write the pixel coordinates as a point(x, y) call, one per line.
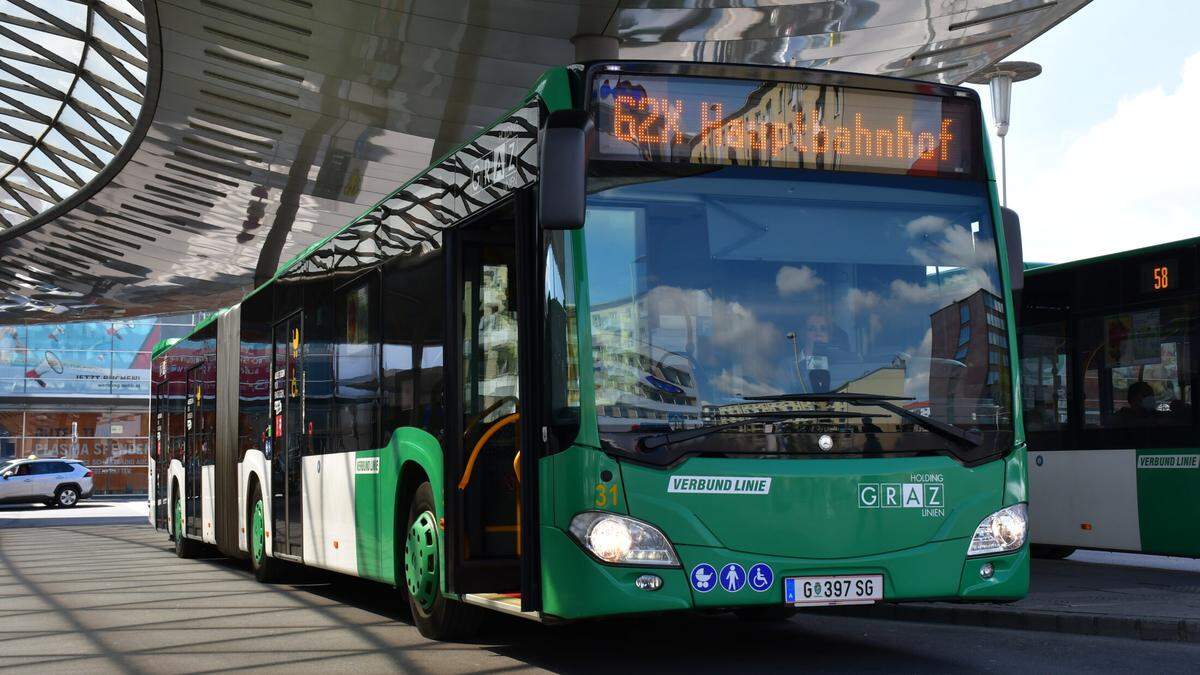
point(67, 497)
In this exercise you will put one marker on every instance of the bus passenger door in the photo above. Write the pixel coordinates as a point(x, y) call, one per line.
point(484, 479)
point(287, 438)
point(193, 435)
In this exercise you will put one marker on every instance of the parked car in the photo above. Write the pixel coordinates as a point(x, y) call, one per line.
point(54, 482)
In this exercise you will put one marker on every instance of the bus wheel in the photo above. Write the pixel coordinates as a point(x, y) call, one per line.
point(436, 617)
point(184, 547)
point(266, 568)
point(1049, 552)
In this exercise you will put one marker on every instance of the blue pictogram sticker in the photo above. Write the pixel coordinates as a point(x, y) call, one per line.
point(761, 577)
point(733, 577)
point(704, 577)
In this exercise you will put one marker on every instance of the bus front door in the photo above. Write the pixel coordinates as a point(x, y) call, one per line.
point(485, 478)
point(287, 437)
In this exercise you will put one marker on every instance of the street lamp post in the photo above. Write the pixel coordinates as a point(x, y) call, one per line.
point(1000, 77)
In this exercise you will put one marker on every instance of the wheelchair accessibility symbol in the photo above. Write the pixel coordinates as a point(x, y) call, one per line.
point(761, 577)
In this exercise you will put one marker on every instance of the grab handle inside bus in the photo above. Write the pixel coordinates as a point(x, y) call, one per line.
point(1012, 242)
point(562, 193)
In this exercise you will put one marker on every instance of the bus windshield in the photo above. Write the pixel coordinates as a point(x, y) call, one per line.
point(710, 289)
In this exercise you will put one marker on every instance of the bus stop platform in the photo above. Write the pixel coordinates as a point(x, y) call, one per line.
point(1091, 593)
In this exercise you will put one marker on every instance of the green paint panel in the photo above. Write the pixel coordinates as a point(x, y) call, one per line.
point(930, 571)
point(376, 511)
point(821, 508)
point(575, 478)
point(813, 520)
point(1016, 476)
point(1169, 501)
point(366, 513)
point(574, 586)
point(1010, 577)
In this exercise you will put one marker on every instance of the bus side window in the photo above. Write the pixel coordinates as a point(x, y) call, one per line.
point(1137, 367)
point(1044, 376)
point(561, 379)
point(414, 291)
point(318, 369)
point(356, 366)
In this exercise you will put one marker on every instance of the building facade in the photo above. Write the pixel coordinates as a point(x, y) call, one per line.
point(970, 355)
point(81, 391)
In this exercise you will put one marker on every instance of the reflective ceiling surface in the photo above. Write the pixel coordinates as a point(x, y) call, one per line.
point(267, 124)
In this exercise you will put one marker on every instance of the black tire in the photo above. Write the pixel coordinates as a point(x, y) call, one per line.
point(444, 619)
point(184, 547)
point(1048, 552)
point(266, 569)
point(66, 496)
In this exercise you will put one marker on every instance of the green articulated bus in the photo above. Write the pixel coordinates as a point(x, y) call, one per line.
point(664, 337)
point(1109, 378)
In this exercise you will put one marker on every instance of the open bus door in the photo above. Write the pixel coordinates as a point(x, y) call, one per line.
point(491, 465)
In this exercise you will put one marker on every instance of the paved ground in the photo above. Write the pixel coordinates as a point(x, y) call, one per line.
point(111, 597)
point(1090, 593)
point(119, 511)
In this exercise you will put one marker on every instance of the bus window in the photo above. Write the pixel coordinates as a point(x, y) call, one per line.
point(1044, 376)
point(561, 374)
point(356, 367)
point(318, 370)
point(492, 359)
point(1137, 367)
point(414, 289)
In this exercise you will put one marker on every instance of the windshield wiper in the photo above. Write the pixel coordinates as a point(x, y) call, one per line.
point(942, 429)
point(648, 443)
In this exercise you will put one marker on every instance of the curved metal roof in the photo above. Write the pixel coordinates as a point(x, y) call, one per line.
point(268, 124)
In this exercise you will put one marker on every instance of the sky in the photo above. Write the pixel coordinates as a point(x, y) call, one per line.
point(1103, 145)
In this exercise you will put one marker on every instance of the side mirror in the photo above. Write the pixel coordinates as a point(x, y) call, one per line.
point(562, 193)
point(7, 474)
point(1012, 241)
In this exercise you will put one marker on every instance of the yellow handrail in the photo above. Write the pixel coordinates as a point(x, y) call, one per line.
point(503, 422)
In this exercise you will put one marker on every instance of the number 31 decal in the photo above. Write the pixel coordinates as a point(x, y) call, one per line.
point(606, 495)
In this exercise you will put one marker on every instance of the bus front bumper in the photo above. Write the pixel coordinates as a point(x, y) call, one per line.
point(575, 586)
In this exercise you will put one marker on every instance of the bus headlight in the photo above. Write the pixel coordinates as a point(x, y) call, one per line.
point(622, 541)
point(1001, 532)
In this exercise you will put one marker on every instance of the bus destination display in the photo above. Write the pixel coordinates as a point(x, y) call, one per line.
point(696, 120)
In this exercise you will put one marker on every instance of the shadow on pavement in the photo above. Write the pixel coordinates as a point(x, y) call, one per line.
point(82, 506)
point(130, 605)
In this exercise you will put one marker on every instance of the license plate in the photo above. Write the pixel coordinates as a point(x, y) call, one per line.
point(862, 589)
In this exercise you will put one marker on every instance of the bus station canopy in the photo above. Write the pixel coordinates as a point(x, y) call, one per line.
point(164, 155)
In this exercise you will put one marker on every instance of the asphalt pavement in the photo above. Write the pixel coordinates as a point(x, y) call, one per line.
point(99, 594)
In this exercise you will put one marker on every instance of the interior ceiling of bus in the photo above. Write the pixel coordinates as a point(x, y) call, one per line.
point(183, 149)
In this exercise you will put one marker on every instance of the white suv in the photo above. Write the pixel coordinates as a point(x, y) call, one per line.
point(54, 482)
